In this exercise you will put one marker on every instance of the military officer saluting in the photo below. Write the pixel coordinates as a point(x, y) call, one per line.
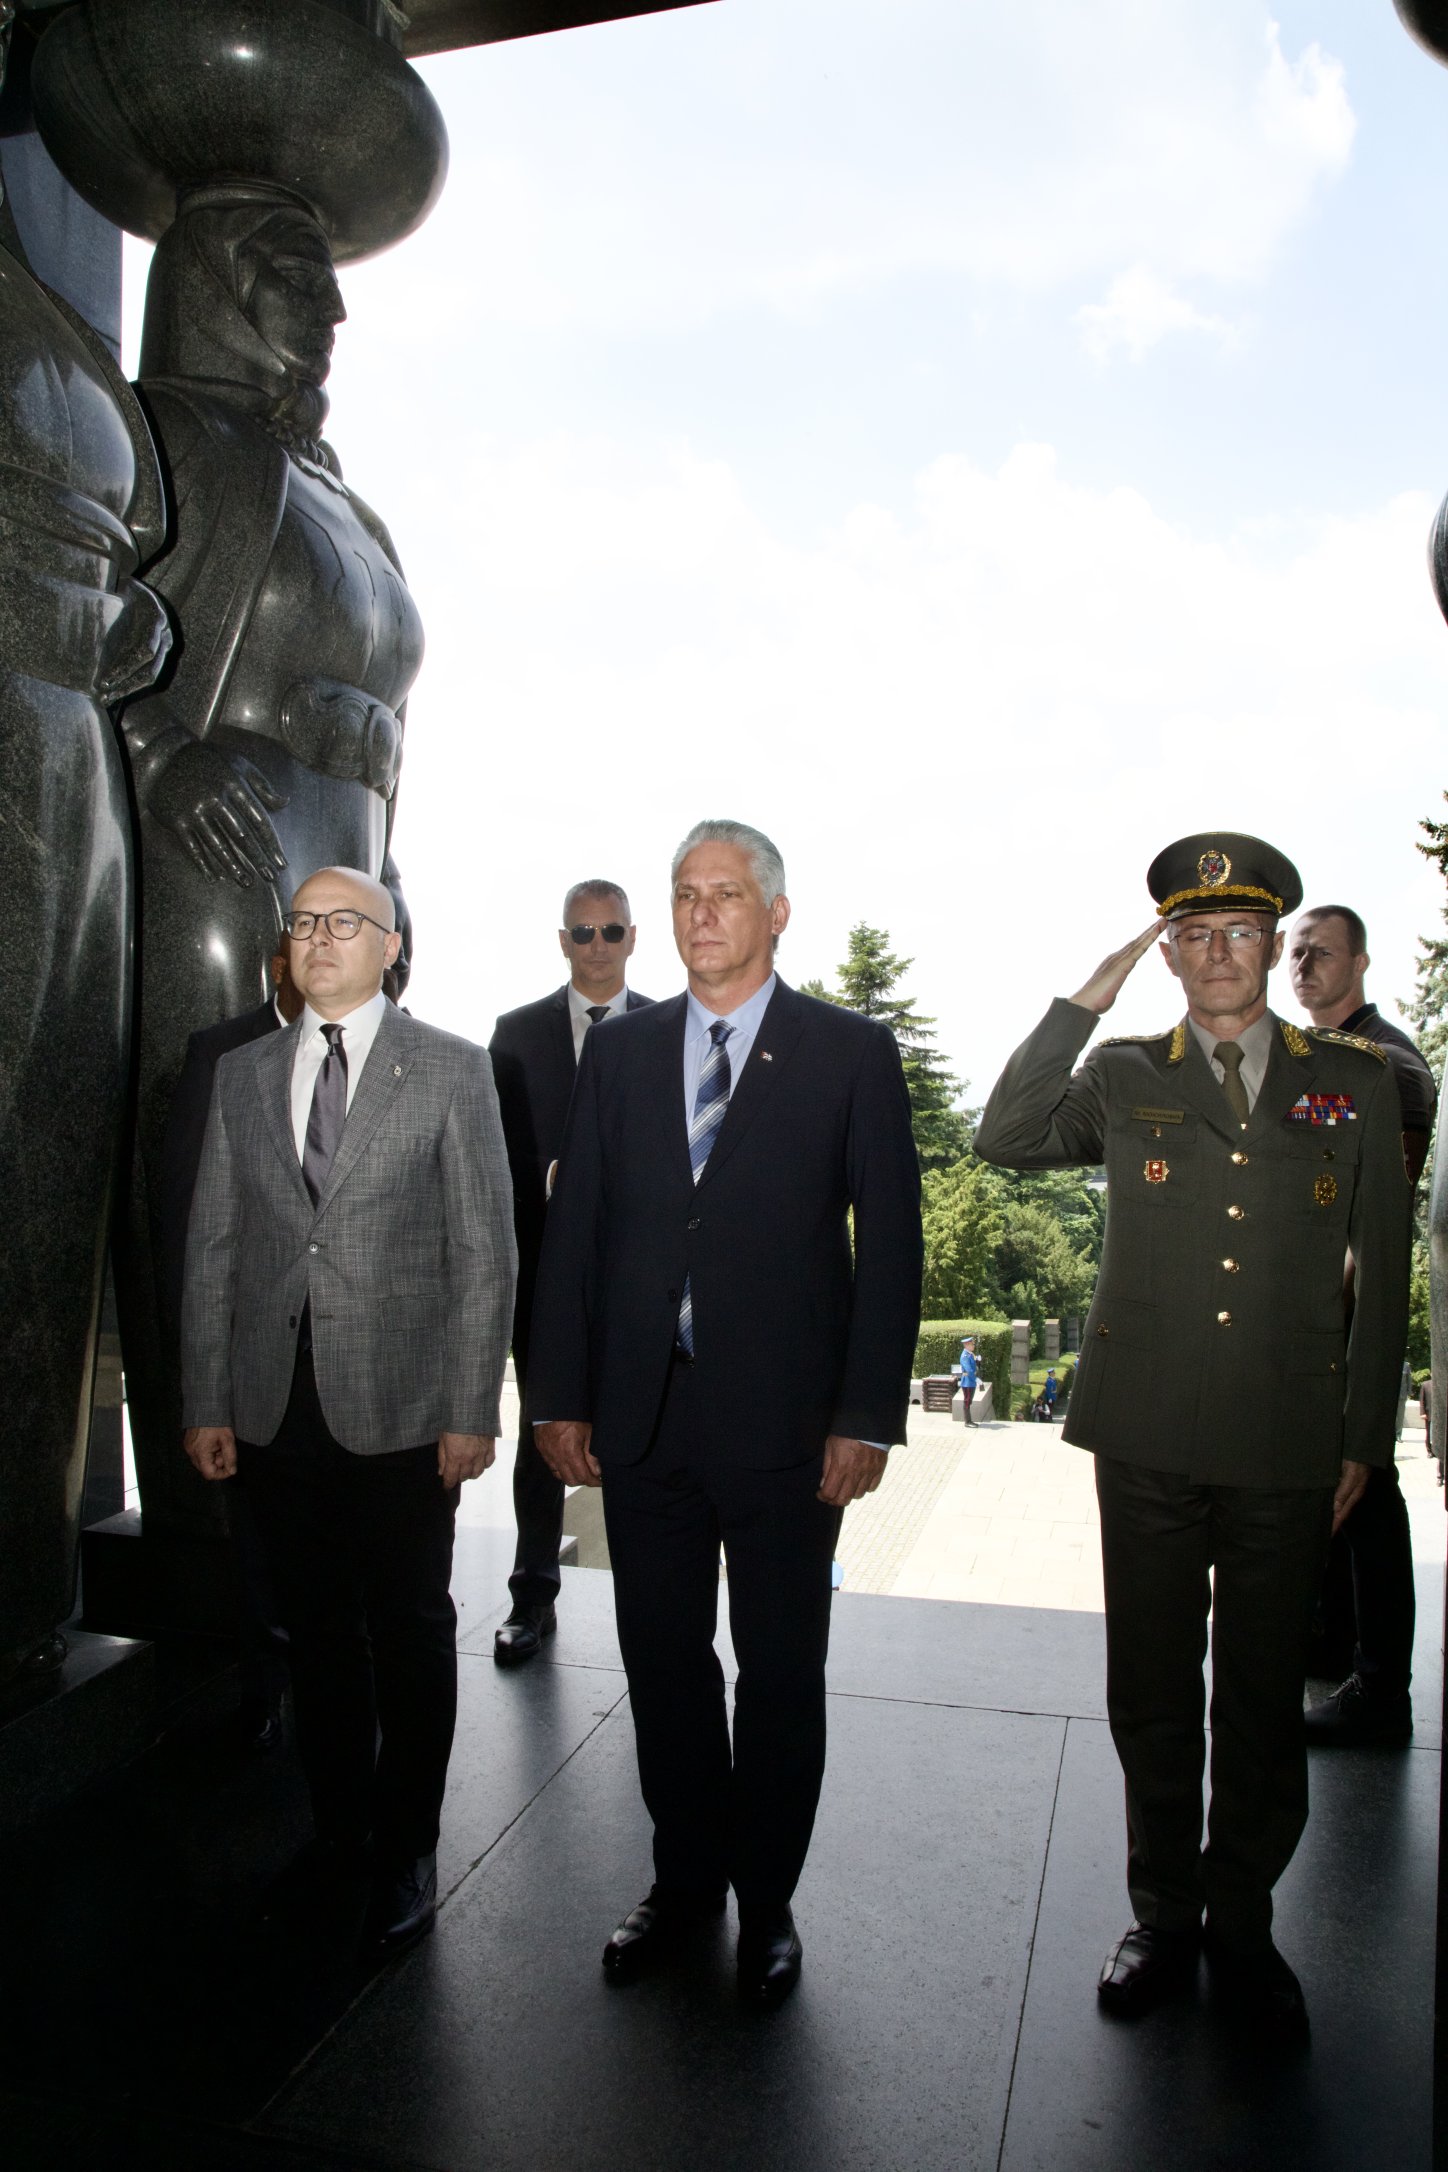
point(1232, 1420)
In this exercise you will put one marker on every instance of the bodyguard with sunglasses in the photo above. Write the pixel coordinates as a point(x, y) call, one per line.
point(348, 1297)
point(535, 1052)
point(1232, 1416)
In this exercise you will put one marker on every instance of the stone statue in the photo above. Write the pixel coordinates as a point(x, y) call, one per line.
point(80, 503)
point(274, 745)
point(257, 142)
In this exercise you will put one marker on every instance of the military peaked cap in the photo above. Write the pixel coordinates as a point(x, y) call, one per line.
point(1222, 871)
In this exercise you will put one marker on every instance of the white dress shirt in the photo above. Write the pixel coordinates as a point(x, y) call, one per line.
point(359, 1032)
point(578, 1009)
point(1256, 1047)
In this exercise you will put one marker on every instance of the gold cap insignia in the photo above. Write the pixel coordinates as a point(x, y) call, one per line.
point(1324, 1189)
point(1213, 868)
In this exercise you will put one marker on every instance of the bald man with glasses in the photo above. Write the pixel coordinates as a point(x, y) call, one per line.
point(348, 1296)
point(535, 1052)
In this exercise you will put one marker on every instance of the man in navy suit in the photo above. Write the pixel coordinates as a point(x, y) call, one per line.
point(722, 1338)
point(535, 1052)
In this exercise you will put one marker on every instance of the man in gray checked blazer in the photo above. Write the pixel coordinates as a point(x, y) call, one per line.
point(349, 1296)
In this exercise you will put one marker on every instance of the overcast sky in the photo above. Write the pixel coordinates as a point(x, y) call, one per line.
point(976, 444)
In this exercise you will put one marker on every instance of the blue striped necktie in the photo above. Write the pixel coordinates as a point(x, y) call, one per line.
point(711, 1099)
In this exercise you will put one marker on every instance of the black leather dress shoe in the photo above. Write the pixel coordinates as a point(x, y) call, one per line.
point(522, 1634)
point(258, 1726)
point(1143, 1966)
point(1259, 1986)
point(770, 1956)
point(1357, 1717)
point(661, 1918)
point(404, 1903)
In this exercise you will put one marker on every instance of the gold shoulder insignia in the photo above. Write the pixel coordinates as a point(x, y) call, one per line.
point(1349, 1040)
point(1134, 1040)
point(1297, 1041)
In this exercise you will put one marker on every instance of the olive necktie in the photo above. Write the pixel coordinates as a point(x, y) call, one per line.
point(1229, 1056)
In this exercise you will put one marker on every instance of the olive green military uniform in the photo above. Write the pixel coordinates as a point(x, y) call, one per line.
point(1220, 1395)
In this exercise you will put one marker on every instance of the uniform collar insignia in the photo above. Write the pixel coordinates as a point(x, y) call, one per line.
point(1178, 1049)
point(1297, 1041)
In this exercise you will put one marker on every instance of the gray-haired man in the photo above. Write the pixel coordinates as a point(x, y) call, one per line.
point(349, 1291)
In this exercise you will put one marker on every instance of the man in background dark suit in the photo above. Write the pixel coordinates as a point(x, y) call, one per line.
point(535, 1052)
point(711, 1348)
point(263, 1644)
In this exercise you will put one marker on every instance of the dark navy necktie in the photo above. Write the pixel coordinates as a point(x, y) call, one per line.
point(328, 1113)
point(711, 1100)
point(597, 1012)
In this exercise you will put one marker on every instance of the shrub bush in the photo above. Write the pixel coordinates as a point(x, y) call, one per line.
point(938, 1348)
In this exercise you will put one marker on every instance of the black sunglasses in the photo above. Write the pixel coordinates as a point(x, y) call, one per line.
point(585, 932)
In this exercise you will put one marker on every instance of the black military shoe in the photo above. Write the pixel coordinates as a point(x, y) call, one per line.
point(1143, 1966)
point(770, 1956)
point(404, 1903)
point(1356, 1717)
point(521, 1636)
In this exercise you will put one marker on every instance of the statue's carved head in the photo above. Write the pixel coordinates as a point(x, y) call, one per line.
point(243, 298)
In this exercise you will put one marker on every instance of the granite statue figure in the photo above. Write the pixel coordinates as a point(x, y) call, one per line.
point(80, 505)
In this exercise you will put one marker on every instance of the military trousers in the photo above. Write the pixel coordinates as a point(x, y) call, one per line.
point(1172, 1552)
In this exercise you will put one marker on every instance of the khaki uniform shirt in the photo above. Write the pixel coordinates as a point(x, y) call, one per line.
point(1216, 1345)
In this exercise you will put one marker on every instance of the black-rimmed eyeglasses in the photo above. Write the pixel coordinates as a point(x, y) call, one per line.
point(341, 926)
point(585, 932)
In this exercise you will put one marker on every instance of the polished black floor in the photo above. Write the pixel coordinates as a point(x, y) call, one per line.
point(966, 1877)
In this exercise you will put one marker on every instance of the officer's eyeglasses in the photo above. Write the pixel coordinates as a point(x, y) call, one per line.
point(585, 932)
point(1199, 940)
point(340, 926)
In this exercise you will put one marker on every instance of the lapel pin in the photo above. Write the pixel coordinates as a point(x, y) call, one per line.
point(397, 1070)
point(764, 1056)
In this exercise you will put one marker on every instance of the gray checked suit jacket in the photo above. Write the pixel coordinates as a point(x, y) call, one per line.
point(408, 1256)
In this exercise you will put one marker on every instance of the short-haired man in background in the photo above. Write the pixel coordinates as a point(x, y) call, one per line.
point(1328, 959)
point(535, 1052)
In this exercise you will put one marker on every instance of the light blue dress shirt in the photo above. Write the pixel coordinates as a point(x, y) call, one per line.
point(697, 1024)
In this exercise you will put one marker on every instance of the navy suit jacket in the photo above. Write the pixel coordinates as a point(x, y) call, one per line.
point(533, 1069)
point(796, 1334)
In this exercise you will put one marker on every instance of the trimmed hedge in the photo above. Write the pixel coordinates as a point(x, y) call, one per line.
point(938, 1348)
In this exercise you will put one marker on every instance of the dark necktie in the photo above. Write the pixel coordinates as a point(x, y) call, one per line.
point(1229, 1056)
point(328, 1113)
point(711, 1100)
point(597, 1012)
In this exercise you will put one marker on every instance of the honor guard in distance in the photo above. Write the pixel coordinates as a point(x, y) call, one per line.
point(1232, 1416)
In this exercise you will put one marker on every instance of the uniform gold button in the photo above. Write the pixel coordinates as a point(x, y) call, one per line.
point(1103, 1332)
point(1230, 1265)
point(1328, 1154)
point(1240, 1159)
point(1332, 1366)
point(1236, 1214)
point(1224, 1319)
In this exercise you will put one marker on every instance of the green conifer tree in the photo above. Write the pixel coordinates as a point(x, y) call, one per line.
point(869, 982)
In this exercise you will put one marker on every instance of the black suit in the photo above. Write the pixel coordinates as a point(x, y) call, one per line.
point(795, 1338)
point(534, 1069)
point(263, 1642)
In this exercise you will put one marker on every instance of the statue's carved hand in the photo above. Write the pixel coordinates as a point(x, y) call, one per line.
point(219, 807)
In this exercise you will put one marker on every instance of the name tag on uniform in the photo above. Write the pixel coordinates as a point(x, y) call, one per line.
point(1158, 1116)
point(1323, 1109)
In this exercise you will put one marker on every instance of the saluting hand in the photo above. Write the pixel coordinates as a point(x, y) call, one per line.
point(463, 1455)
point(563, 1445)
point(1111, 975)
point(852, 1469)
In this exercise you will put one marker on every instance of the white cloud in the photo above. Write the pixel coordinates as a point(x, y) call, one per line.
point(1139, 310)
point(973, 724)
